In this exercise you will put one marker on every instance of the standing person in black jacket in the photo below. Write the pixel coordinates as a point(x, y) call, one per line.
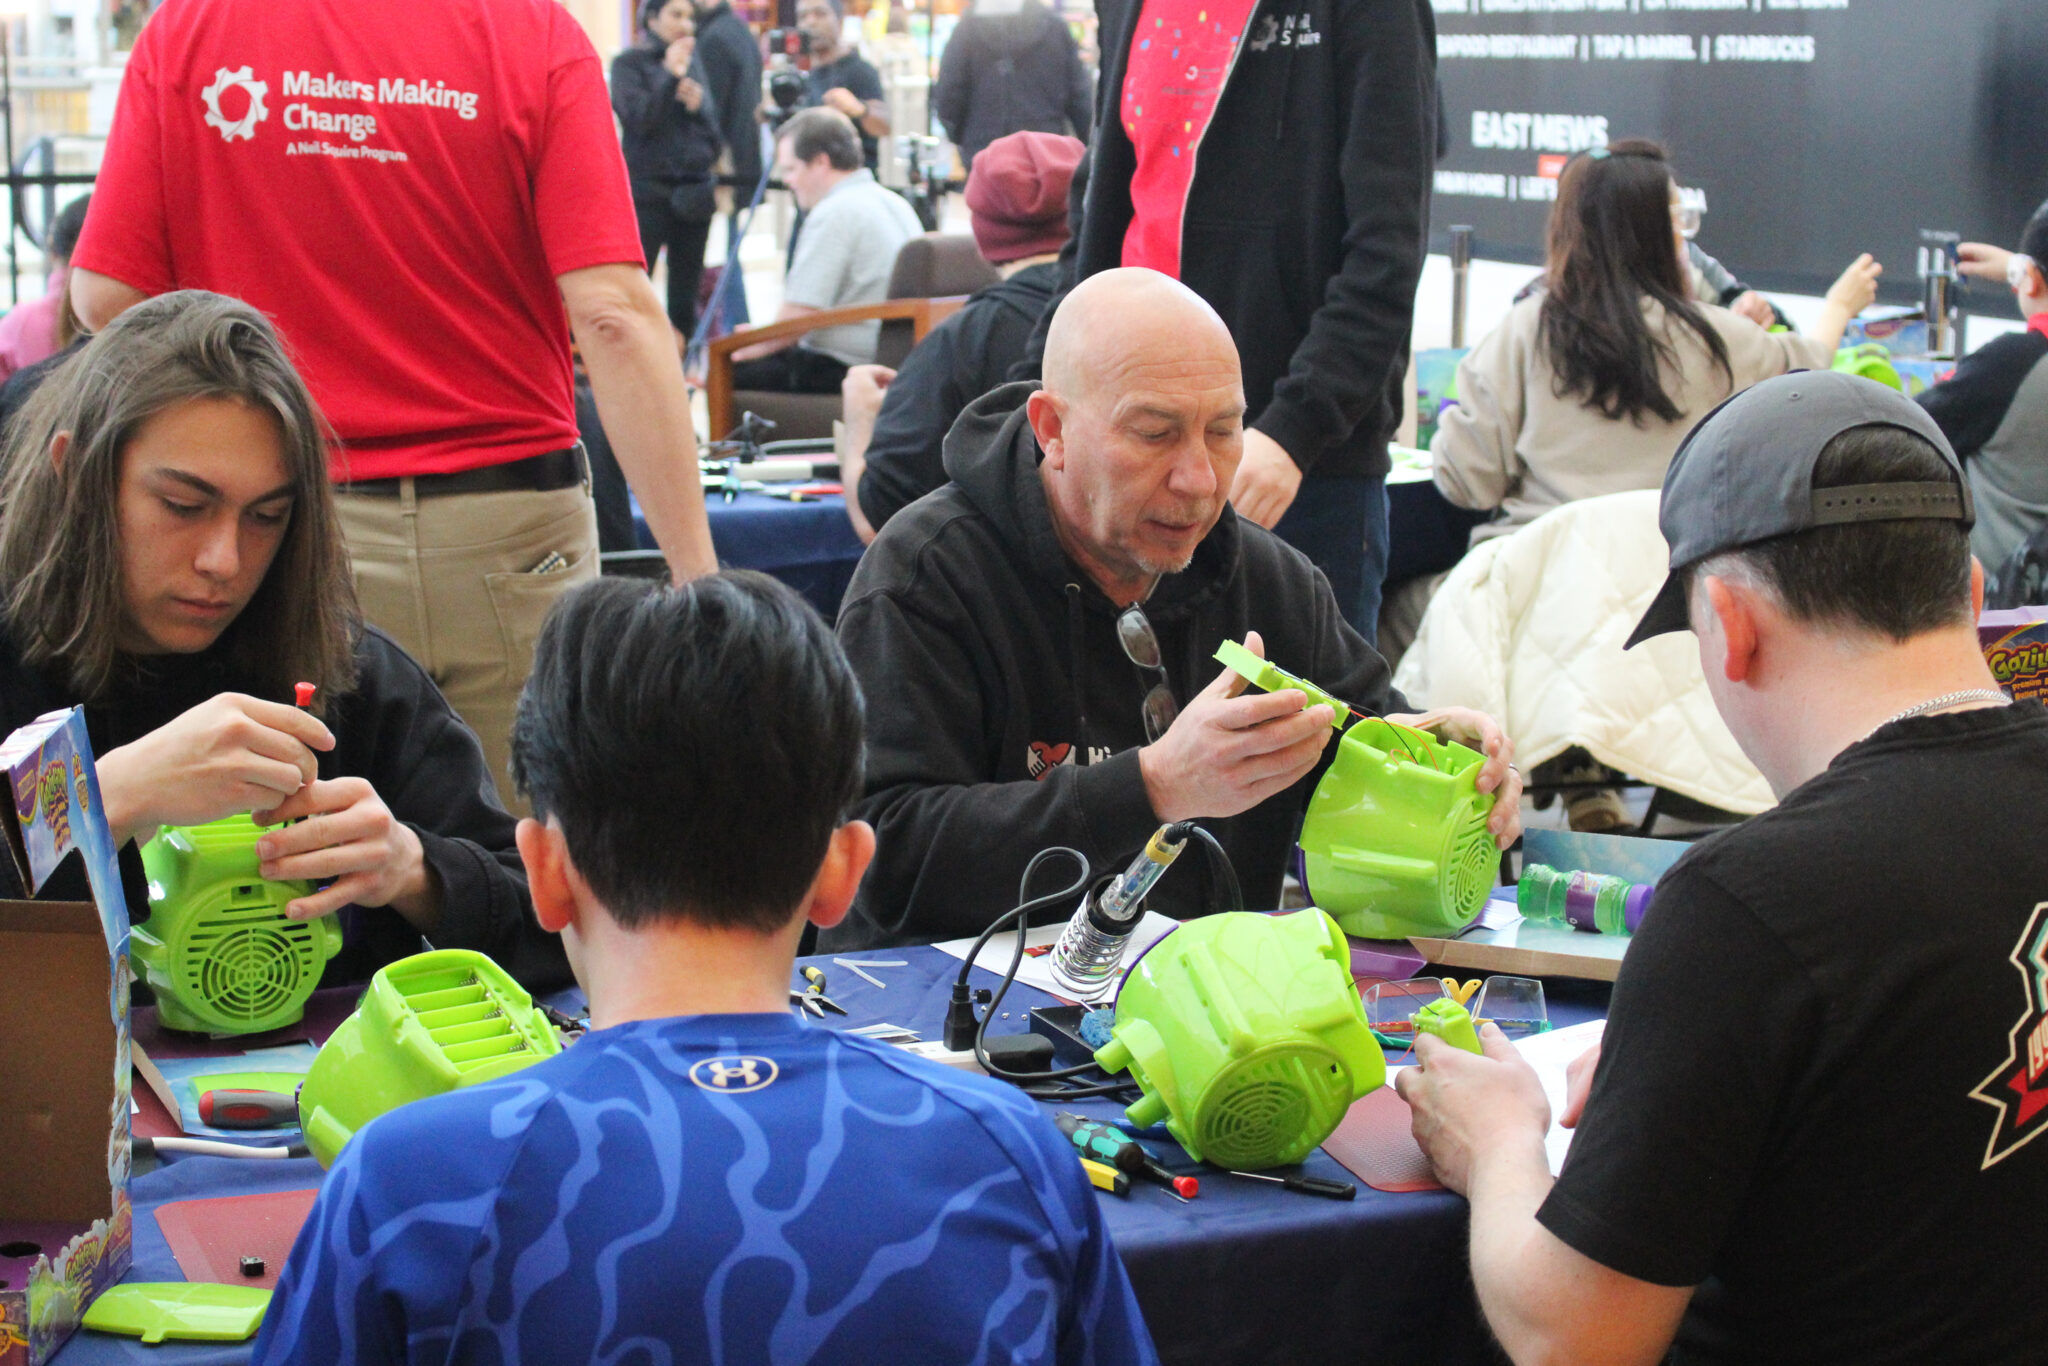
point(669, 130)
point(1287, 182)
point(891, 451)
point(173, 561)
point(1011, 67)
point(731, 57)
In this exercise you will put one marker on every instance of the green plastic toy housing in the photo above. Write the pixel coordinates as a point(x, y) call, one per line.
point(217, 949)
point(429, 1024)
point(1271, 678)
point(1395, 840)
point(1450, 1022)
point(1247, 1035)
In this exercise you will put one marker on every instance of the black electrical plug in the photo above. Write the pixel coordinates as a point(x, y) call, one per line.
point(961, 1021)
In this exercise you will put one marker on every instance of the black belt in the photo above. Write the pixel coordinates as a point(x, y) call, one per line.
point(542, 473)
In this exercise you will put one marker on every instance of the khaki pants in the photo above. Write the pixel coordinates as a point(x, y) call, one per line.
point(451, 579)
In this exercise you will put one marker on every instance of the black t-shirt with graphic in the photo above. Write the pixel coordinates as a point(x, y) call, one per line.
point(1824, 1067)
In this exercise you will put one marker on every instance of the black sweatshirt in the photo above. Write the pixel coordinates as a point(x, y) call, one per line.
point(991, 666)
point(664, 141)
point(1307, 221)
point(1012, 73)
point(396, 730)
point(731, 58)
point(958, 361)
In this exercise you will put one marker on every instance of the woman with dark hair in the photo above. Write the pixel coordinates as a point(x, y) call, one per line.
point(669, 132)
point(171, 559)
point(1589, 385)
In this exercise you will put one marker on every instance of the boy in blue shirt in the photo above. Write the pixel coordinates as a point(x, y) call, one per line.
point(703, 1177)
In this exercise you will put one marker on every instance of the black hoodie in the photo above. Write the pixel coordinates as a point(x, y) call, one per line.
point(396, 730)
point(1307, 219)
point(991, 665)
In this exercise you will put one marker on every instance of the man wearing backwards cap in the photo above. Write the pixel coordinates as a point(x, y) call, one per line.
point(1809, 1136)
point(896, 422)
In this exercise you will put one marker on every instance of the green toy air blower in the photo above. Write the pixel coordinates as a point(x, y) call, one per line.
point(432, 1023)
point(1394, 842)
point(1247, 1035)
point(218, 949)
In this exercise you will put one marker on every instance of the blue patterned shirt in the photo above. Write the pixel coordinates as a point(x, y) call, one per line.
point(717, 1189)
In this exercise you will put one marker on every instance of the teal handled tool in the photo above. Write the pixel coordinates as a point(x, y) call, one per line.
point(1101, 1143)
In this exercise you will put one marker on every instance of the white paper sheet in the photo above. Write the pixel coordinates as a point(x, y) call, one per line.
point(1037, 972)
point(1550, 1054)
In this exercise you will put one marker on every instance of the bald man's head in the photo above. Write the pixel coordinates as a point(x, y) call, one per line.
point(1129, 317)
point(1141, 419)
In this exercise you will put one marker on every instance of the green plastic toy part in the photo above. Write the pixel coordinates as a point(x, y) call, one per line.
point(428, 1024)
point(218, 949)
point(1247, 1036)
point(1395, 840)
point(158, 1310)
point(1271, 678)
point(1450, 1022)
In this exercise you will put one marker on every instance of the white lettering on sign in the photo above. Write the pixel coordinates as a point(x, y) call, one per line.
point(1472, 184)
point(1764, 47)
point(1538, 132)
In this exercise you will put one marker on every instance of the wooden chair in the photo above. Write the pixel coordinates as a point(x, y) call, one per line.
point(804, 415)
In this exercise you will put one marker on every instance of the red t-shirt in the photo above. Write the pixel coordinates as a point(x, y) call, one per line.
point(1180, 56)
point(2039, 323)
point(396, 183)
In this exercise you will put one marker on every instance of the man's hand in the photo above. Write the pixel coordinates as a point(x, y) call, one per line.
point(230, 753)
point(349, 835)
point(1225, 754)
point(1498, 774)
point(1856, 288)
point(1578, 1084)
point(1267, 480)
point(862, 392)
point(846, 102)
point(1469, 1104)
point(1982, 261)
point(1754, 307)
point(860, 400)
point(689, 94)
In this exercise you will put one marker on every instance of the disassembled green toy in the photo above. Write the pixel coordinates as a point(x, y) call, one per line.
point(218, 949)
point(1450, 1022)
point(1270, 678)
point(199, 1311)
point(1247, 1035)
point(1395, 840)
point(428, 1024)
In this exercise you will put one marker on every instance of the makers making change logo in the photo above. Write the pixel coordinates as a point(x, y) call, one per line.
point(2018, 1089)
point(220, 102)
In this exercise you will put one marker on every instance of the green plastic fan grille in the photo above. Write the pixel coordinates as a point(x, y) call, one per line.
point(1265, 1111)
point(429, 1024)
point(244, 973)
point(1475, 865)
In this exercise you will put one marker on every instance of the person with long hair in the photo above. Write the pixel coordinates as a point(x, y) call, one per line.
point(171, 559)
point(1589, 384)
point(669, 133)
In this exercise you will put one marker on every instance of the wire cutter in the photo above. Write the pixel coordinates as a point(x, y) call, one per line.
point(813, 998)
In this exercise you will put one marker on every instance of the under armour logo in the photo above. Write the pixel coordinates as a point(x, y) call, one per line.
point(733, 1076)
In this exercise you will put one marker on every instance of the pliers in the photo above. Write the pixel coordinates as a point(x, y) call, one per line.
point(813, 997)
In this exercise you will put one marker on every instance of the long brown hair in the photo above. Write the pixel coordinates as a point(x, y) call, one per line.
point(60, 556)
point(1610, 245)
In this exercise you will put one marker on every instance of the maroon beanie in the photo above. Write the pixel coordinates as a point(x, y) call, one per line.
point(1017, 194)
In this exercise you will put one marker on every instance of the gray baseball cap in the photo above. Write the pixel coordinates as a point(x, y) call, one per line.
point(1745, 474)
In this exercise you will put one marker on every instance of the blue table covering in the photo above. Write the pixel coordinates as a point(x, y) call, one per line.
point(810, 545)
point(1246, 1272)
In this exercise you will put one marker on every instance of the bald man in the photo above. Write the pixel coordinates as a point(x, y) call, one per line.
point(1035, 639)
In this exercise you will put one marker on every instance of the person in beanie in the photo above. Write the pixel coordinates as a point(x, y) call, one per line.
point(896, 422)
point(1807, 1134)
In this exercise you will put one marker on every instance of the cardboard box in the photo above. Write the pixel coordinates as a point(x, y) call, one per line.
point(66, 1228)
point(1900, 328)
point(2015, 645)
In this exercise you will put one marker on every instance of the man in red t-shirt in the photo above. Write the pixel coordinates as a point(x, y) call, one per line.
point(414, 190)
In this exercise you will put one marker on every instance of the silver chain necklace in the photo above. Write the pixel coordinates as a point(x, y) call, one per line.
point(1947, 699)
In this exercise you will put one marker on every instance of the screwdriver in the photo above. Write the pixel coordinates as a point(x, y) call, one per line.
point(1106, 1178)
point(1307, 1185)
point(1102, 1143)
point(248, 1109)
